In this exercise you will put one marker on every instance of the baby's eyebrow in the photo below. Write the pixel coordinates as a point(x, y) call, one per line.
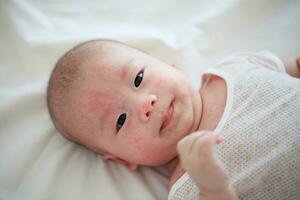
point(124, 70)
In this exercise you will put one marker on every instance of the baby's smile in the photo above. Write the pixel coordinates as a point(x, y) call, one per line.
point(168, 118)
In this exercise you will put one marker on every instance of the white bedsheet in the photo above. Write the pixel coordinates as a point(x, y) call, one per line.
point(38, 163)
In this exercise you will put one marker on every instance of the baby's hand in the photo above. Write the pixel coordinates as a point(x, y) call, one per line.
point(292, 66)
point(196, 152)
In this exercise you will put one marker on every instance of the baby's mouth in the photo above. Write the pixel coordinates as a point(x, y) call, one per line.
point(168, 116)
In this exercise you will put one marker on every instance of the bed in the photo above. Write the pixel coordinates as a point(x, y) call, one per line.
point(36, 162)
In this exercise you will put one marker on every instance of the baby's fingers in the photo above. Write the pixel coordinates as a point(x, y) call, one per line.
point(185, 145)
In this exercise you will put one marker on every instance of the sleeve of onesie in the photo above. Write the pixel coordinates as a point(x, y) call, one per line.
point(264, 59)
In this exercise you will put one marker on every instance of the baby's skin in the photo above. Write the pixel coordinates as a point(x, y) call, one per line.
point(133, 92)
point(196, 153)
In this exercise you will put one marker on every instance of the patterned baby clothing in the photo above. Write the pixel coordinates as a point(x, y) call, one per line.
point(260, 127)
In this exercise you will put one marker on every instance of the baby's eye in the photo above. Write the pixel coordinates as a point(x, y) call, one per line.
point(121, 121)
point(139, 78)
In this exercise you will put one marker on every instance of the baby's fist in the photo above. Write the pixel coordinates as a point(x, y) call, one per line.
point(196, 152)
point(198, 143)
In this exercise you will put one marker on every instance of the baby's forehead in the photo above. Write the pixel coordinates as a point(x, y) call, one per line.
point(103, 72)
point(101, 76)
point(99, 85)
point(110, 67)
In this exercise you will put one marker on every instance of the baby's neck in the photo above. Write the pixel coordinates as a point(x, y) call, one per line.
point(171, 165)
point(175, 170)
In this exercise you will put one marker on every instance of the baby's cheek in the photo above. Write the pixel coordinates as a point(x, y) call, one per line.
point(141, 147)
point(157, 84)
point(139, 142)
point(164, 82)
point(96, 100)
point(137, 139)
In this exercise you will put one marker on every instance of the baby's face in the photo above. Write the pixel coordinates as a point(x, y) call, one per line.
point(123, 106)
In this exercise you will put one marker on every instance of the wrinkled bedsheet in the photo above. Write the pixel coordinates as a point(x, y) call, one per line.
point(36, 162)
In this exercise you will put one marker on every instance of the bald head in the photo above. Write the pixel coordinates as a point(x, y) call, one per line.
point(65, 77)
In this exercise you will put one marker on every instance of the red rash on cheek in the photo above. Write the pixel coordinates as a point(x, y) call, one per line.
point(157, 84)
point(96, 101)
point(137, 139)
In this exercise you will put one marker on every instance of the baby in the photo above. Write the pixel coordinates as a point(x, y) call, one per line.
point(136, 110)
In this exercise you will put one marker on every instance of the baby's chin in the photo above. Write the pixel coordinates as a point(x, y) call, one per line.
point(158, 161)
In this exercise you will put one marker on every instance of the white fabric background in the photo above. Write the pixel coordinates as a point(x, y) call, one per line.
point(38, 163)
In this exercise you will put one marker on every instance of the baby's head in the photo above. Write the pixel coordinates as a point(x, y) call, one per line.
point(114, 99)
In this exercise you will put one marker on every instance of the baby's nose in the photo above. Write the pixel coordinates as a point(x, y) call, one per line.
point(147, 106)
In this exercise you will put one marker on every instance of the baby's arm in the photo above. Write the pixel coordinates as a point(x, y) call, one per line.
point(293, 68)
point(196, 152)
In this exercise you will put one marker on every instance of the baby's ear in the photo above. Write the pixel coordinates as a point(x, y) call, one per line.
point(132, 167)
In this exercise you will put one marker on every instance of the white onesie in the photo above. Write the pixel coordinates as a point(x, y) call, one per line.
point(260, 127)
